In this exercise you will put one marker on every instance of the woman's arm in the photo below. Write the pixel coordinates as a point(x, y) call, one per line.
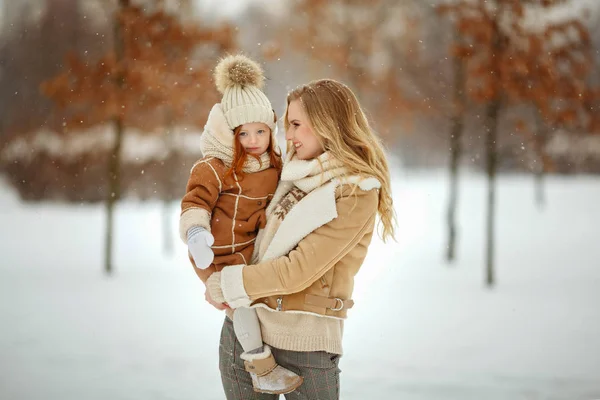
point(314, 255)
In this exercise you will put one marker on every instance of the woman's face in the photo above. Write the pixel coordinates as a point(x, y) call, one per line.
point(301, 133)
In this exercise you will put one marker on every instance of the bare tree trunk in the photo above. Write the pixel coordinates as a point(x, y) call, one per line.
point(168, 245)
point(114, 163)
point(114, 166)
point(540, 140)
point(352, 70)
point(455, 153)
point(491, 146)
point(540, 195)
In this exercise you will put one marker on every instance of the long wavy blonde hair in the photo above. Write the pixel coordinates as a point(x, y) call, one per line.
point(342, 129)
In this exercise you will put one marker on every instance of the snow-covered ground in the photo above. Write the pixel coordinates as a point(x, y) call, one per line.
point(421, 329)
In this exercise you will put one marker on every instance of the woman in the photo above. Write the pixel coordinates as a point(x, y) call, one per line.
point(334, 182)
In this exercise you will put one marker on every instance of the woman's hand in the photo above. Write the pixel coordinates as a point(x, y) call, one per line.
point(213, 286)
point(218, 306)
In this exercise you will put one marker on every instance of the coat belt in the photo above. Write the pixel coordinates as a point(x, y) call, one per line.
point(332, 303)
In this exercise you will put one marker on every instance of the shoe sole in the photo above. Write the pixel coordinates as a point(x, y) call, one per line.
point(289, 390)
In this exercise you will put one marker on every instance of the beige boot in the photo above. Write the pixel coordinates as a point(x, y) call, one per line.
point(267, 375)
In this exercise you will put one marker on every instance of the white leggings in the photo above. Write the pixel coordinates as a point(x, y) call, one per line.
point(247, 328)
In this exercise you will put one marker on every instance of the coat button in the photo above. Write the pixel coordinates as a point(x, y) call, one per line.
point(260, 203)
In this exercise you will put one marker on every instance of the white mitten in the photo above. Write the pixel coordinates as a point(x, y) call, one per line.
point(199, 242)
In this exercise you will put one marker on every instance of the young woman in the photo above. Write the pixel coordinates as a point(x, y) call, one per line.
point(334, 182)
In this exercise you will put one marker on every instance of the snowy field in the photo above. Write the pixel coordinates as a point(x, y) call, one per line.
point(421, 330)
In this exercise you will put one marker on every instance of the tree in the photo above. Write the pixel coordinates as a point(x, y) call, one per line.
point(492, 34)
point(137, 84)
point(359, 41)
point(32, 50)
point(549, 71)
point(456, 130)
point(181, 75)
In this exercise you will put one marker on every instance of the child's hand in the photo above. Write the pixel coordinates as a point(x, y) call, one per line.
point(199, 242)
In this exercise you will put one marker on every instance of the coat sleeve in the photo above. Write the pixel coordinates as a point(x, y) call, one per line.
point(202, 191)
point(311, 259)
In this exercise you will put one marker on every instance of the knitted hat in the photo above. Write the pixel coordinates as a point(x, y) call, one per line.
point(240, 80)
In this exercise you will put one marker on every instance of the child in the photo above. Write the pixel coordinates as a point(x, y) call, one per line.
point(227, 193)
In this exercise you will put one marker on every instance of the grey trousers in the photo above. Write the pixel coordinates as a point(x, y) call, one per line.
point(318, 368)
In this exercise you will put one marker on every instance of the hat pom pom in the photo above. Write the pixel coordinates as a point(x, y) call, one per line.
point(238, 70)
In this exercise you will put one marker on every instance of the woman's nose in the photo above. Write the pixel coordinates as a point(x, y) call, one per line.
point(289, 135)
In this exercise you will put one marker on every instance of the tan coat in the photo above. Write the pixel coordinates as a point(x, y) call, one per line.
point(232, 211)
point(313, 258)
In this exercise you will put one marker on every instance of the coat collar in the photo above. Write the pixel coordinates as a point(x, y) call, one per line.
point(316, 209)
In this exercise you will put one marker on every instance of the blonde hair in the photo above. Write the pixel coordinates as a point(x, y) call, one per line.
point(343, 130)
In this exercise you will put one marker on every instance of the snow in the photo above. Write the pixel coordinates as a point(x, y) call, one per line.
point(421, 329)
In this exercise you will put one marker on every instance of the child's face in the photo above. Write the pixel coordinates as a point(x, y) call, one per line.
point(255, 137)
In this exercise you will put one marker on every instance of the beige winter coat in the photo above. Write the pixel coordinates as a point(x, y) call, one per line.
point(311, 262)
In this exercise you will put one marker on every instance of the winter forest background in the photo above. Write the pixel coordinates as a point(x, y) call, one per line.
point(489, 112)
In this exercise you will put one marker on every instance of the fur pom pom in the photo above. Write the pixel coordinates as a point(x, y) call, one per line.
point(238, 70)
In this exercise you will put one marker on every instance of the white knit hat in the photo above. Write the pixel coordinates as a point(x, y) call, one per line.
point(240, 80)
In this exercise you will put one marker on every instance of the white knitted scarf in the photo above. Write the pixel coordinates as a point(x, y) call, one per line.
point(308, 175)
